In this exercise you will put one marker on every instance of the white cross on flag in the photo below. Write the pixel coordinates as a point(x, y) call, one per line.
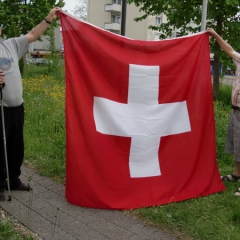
point(139, 119)
point(143, 119)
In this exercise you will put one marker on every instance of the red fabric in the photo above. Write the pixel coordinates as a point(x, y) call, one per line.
point(97, 170)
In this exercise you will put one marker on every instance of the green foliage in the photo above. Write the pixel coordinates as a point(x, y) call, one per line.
point(29, 13)
point(13, 30)
point(224, 96)
point(181, 13)
point(7, 231)
point(52, 47)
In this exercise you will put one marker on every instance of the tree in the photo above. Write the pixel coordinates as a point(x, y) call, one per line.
point(25, 14)
point(80, 11)
point(222, 16)
point(20, 16)
point(51, 38)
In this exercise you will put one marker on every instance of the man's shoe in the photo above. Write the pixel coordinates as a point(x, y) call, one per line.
point(22, 187)
point(2, 197)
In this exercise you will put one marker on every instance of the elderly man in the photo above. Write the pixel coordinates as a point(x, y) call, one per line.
point(11, 50)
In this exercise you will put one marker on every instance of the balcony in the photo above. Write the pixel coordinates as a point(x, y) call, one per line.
point(113, 8)
point(114, 27)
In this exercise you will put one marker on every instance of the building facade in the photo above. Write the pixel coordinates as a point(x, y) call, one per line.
point(43, 46)
point(106, 14)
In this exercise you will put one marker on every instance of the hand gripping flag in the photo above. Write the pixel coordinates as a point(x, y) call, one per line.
point(139, 119)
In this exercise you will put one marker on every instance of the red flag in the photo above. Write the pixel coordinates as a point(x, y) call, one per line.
point(139, 119)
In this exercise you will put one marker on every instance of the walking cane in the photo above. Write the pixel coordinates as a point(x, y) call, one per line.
point(4, 143)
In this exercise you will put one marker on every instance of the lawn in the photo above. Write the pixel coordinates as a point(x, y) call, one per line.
point(44, 132)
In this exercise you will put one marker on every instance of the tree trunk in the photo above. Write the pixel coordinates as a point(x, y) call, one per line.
point(216, 76)
point(217, 63)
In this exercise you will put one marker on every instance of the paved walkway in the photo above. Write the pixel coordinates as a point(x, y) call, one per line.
point(46, 212)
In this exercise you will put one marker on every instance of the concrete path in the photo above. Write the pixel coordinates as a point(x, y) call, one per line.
point(46, 212)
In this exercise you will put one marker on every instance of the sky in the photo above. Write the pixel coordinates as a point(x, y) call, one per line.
point(70, 5)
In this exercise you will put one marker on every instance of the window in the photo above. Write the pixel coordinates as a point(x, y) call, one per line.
point(157, 37)
point(117, 1)
point(116, 18)
point(158, 20)
point(175, 34)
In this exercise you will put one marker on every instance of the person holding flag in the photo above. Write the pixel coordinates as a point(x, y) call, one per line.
point(232, 144)
point(11, 51)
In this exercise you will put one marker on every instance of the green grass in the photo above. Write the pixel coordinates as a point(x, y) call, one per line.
point(7, 231)
point(214, 217)
point(44, 130)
